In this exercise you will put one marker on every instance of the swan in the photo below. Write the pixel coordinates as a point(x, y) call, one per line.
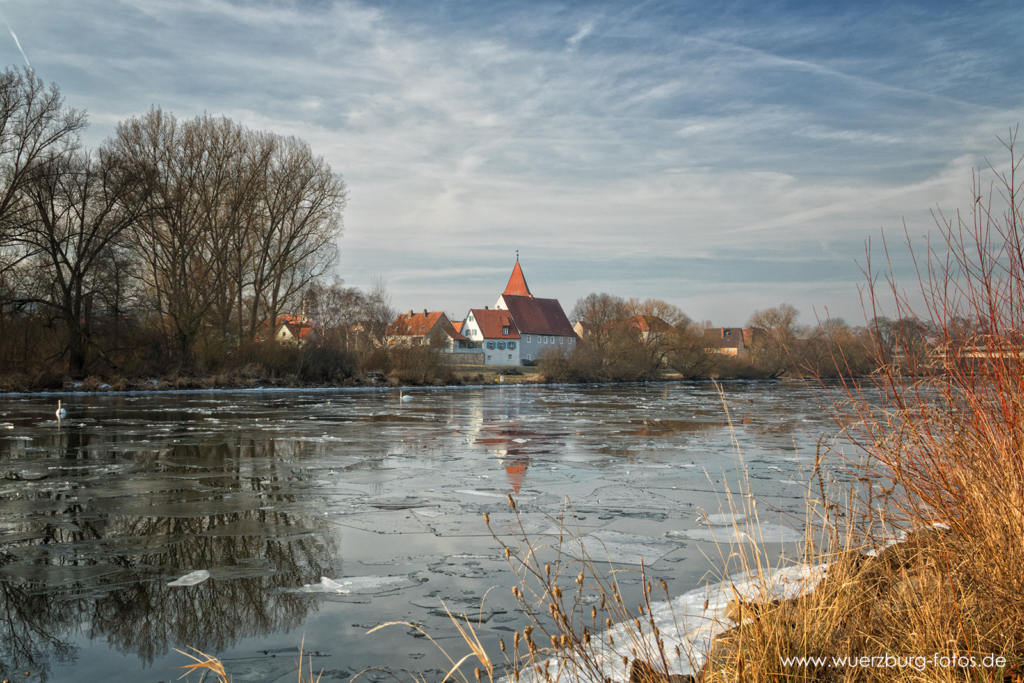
point(60, 413)
point(403, 397)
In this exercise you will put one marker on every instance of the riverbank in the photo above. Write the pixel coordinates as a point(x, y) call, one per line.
point(459, 376)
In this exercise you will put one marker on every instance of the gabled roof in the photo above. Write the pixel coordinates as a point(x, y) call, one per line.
point(728, 337)
point(454, 334)
point(457, 326)
point(297, 330)
point(414, 324)
point(649, 323)
point(517, 283)
point(292, 318)
point(490, 322)
point(538, 316)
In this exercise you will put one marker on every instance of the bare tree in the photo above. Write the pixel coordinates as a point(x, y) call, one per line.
point(173, 243)
point(378, 313)
point(34, 127)
point(775, 339)
point(301, 204)
point(77, 209)
point(334, 309)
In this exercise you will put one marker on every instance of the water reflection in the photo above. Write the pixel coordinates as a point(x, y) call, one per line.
point(80, 549)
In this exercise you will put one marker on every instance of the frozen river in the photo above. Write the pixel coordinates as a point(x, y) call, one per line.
point(270, 492)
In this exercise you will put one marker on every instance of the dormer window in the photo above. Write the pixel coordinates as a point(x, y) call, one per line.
point(504, 330)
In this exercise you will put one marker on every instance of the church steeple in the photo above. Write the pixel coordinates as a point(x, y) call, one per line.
point(517, 283)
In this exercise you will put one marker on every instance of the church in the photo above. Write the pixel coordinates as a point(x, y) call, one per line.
point(520, 327)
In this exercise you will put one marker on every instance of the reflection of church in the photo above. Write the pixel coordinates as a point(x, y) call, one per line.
point(520, 327)
point(508, 443)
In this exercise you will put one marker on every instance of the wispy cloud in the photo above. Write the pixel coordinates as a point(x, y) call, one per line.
point(574, 41)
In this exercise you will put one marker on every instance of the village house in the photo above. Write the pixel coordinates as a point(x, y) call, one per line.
point(419, 329)
point(495, 333)
point(729, 341)
point(293, 330)
point(541, 323)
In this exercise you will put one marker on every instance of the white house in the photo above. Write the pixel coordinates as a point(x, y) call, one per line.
point(496, 333)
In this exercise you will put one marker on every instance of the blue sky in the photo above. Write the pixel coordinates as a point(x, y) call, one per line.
point(722, 156)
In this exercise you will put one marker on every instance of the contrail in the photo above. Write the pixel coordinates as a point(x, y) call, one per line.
point(16, 41)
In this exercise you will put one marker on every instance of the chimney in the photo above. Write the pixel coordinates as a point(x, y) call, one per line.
point(485, 308)
point(410, 313)
point(424, 313)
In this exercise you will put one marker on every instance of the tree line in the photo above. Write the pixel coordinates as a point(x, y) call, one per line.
point(637, 340)
point(175, 244)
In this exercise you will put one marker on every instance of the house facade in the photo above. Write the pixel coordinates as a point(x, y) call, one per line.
point(495, 333)
point(293, 330)
point(542, 324)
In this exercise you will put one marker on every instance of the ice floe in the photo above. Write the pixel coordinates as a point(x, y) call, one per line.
point(191, 579)
point(768, 533)
point(608, 545)
point(358, 584)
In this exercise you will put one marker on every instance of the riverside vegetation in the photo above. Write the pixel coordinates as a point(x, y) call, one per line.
point(922, 555)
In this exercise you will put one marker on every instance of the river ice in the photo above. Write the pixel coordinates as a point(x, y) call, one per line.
point(371, 512)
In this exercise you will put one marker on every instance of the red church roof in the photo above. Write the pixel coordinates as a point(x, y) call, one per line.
point(538, 316)
point(517, 283)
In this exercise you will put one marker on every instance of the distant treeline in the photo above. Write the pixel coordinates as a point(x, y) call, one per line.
point(631, 340)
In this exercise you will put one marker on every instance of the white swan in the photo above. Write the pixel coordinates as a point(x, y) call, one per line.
point(403, 397)
point(61, 413)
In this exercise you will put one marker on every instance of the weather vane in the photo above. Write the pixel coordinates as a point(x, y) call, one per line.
point(517, 256)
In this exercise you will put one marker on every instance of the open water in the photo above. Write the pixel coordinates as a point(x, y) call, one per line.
point(241, 523)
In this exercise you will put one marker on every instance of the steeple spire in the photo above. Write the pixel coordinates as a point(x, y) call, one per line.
point(517, 283)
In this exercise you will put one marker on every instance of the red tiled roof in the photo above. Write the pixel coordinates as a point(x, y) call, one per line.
point(299, 330)
point(647, 323)
point(414, 324)
point(457, 326)
point(517, 283)
point(538, 316)
point(490, 322)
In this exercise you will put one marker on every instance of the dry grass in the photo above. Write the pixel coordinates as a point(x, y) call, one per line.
point(210, 666)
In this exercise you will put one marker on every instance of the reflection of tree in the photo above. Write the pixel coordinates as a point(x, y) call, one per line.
point(147, 618)
point(30, 630)
point(99, 549)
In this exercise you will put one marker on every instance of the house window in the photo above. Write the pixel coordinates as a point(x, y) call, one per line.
point(488, 356)
point(501, 345)
point(529, 356)
point(511, 345)
point(490, 345)
point(504, 331)
point(529, 338)
point(471, 317)
point(510, 356)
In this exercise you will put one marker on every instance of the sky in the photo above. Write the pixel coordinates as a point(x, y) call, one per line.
point(723, 156)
